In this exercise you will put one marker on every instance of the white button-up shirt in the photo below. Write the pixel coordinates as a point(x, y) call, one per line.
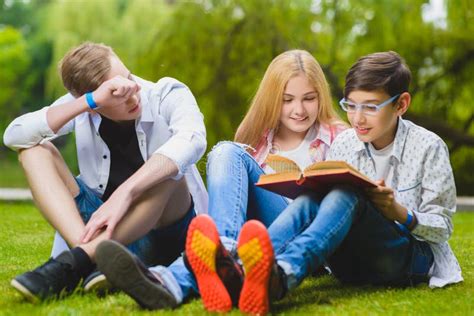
point(422, 181)
point(170, 124)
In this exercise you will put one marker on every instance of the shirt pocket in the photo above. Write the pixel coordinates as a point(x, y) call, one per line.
point(409, 194)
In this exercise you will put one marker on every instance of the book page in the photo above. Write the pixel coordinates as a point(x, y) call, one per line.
point(282, 165)
point(330, 164)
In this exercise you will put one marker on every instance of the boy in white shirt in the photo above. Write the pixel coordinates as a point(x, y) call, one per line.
point(137, 143)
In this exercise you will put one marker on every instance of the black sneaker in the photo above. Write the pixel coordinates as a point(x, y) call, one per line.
point(126, 272)
point(278, 283)
point(56, 278)
point(96, 282)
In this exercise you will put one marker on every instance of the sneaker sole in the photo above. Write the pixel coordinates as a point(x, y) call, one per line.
point(202, 243)
point(122, 271)
point(25, 292)
point(256, 252)
point(99, 285)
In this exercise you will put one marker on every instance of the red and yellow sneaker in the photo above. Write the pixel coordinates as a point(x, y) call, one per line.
point(256, 252)
point(203, 249)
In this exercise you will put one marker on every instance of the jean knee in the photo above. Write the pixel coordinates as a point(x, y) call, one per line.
point(308, 201)
point(343, 196)
point(222, 155)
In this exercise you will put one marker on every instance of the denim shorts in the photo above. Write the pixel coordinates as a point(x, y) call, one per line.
point(159, 246)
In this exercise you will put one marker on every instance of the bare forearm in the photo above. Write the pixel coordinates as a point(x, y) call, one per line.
point(157, 169)
point(58, 116)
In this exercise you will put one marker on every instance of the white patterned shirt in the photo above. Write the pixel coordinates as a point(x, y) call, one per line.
point(423, 182)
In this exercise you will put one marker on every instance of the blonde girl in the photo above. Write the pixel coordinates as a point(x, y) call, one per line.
point(291, 115)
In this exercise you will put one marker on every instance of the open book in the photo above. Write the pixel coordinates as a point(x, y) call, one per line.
point(290, 181)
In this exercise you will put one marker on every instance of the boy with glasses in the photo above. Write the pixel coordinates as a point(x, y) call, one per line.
point(395, 234)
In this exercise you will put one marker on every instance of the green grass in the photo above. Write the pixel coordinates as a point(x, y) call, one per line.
point(12, 175)
point(25, 242)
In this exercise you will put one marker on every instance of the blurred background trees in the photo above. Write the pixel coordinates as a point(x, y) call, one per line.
point(221, 48)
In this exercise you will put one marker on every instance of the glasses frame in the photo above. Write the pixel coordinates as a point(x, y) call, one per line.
point(363, 106)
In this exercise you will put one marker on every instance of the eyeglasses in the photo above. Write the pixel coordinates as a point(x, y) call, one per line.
point(369, 109)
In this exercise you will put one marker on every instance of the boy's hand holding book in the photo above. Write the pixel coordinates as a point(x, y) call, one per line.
point(383, 198)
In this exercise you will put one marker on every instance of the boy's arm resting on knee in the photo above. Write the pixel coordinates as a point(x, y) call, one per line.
point(438, 197)
point(154, 171)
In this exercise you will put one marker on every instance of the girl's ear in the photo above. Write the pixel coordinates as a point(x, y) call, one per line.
point(403, 103)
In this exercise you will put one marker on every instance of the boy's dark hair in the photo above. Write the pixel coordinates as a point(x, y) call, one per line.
point(385, 71)
point(85, 67)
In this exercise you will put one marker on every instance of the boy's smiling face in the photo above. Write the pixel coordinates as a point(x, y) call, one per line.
point(378, 129)
point(130, 109)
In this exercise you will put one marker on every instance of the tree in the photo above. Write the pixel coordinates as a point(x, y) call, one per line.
point(221, 48)
point(14, 62)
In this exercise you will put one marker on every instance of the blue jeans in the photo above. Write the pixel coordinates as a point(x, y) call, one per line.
point(233, 199)
point(159, 246)
point(345, 230)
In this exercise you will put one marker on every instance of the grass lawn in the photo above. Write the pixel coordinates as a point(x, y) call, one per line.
point(25, 242)
point(12, 174)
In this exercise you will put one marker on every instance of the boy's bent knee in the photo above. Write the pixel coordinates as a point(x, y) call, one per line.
point(41, 151)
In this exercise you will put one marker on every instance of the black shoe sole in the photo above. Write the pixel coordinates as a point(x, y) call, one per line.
point(122, 271)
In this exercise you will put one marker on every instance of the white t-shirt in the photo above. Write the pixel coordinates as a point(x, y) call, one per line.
point(383, 169)
point(300, 154)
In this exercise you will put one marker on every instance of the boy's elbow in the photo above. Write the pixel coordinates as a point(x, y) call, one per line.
point(442, 236)
point(10, 141)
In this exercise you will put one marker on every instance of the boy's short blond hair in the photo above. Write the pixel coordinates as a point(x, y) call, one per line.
point(85, 67)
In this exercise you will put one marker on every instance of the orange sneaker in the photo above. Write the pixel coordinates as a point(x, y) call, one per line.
point(256, 252)
point(218, 275)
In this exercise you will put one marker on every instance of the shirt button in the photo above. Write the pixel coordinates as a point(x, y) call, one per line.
point(101, 186)
point(104, 156)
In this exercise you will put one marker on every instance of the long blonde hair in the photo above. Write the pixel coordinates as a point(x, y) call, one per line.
point(264, 111)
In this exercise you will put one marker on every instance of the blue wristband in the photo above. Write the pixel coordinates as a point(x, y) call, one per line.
point(409, 220)
point(90, 101)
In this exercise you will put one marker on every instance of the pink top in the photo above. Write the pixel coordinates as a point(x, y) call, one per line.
point(317, 149)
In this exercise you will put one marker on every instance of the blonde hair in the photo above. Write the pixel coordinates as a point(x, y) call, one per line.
point(85, 67)
point(265, 108)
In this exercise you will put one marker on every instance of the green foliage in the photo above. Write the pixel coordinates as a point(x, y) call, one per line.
point(126, 26)
point(14, 62)
point(221, 48)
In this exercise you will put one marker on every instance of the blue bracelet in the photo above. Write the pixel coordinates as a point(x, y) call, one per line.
point(90, 101)
point(409, 220)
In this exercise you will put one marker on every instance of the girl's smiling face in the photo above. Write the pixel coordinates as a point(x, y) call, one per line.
point(300, 106)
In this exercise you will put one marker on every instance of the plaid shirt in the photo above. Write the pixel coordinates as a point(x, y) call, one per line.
point(317, 149)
